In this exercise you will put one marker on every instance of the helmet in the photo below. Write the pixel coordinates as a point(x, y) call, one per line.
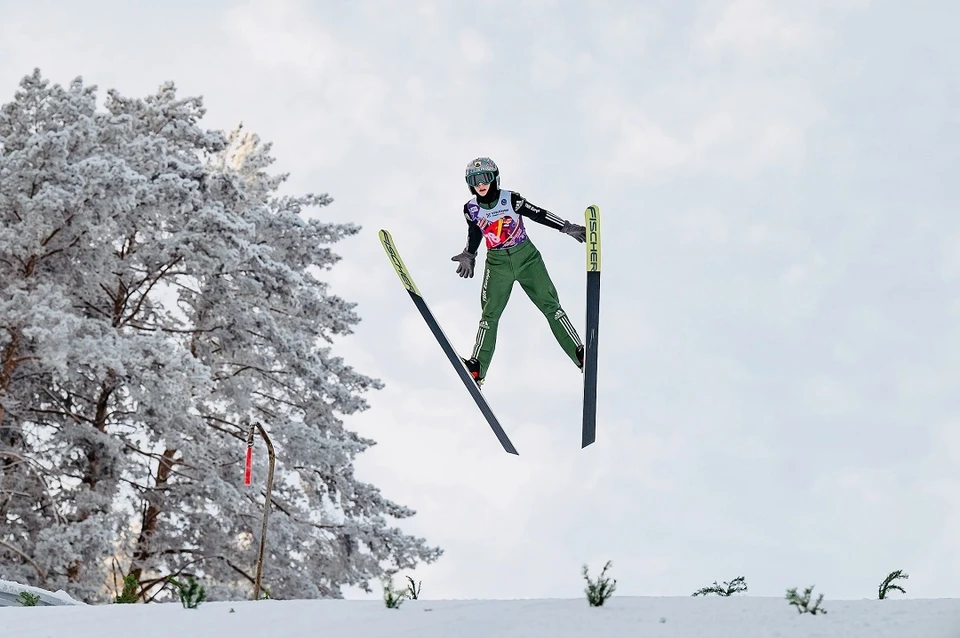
point(482, 170)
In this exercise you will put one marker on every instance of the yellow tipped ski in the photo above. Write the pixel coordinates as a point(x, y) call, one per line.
point(394, 255)
point(589, 435)
point(387, 240)
point(592, 217)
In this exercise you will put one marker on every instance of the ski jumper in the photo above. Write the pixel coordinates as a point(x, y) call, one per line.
point(512, 257)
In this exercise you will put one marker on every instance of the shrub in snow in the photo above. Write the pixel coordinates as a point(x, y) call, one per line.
point(802, 602)
point(191, 593)
point(736, 586)
point(129, 593)
point(888, 583)
point(393, 598)
point(413, 590)
point(599, 590)
point(28, 600)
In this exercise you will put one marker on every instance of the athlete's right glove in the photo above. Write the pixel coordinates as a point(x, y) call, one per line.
point(466, 261)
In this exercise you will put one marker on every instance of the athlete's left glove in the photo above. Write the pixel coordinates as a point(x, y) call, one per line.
point(466, 260)
point(575, 230)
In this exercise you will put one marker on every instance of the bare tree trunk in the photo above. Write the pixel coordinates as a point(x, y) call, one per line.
point(8, 363)
point(151, 516)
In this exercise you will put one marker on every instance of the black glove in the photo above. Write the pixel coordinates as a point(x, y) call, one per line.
point(466, 261)
point(575, 230)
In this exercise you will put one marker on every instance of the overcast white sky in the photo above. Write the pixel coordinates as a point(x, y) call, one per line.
point(779, 378)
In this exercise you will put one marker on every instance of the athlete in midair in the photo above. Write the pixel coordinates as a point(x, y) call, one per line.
point(497, 216)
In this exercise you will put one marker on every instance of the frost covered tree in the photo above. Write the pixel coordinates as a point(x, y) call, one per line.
point(157, 294)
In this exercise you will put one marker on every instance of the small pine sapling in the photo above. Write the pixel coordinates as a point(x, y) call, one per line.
point(392, 598)
point(129, 593)
point(28, 600)
point(192, 594)
point(736, 586)
point(802, 603)
point(413, 591)
point(600, 590)
point(888, 583)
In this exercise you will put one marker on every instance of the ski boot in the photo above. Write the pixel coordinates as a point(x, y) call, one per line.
point(473, 367)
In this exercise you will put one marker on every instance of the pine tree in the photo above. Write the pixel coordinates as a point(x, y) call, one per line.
point(157, 293)
point(736, 586)
point(888, 584)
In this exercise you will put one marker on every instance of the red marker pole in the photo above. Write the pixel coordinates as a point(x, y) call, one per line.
point(248, 467)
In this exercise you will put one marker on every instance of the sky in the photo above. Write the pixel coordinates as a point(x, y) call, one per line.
point(779, 347)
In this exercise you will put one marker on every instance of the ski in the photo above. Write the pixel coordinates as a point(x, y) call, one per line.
point(394, 255)
point(589, 435)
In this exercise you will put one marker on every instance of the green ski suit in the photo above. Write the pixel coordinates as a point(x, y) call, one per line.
point(512, 257)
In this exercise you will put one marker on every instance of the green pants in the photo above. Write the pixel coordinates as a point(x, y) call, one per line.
point(522, 264)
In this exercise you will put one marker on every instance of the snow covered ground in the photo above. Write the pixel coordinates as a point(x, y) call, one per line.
point(634, 617)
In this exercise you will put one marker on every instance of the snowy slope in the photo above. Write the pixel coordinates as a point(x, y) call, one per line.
point(680, 617)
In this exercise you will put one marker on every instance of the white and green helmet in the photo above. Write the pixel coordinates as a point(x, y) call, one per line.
point(482, 170)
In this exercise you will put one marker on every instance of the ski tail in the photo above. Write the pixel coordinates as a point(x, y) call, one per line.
point(589, 433)
point(407, 280)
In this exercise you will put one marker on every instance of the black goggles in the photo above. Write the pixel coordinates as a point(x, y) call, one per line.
point(475, 179)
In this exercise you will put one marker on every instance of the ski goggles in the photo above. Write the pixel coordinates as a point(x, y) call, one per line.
point(484, 177)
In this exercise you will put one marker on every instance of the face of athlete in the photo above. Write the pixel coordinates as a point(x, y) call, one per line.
point(482, 189)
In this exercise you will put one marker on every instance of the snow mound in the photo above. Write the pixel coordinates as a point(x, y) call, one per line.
point(10, 592)
point(679, 617)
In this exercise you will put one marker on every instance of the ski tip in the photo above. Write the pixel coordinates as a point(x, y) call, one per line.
point(592, 221)
point(386, 239)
